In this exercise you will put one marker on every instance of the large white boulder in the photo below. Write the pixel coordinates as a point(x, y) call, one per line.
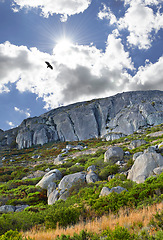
point(72, 179)
point(144, 165)
point(49, 177)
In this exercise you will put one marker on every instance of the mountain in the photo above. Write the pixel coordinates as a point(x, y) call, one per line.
point(110, 117)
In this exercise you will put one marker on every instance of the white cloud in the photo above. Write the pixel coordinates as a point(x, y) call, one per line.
point(79, 72)
point(147, 2)
point(106, 13)
point(63, 7)
point(11, 124)
point(24, 112)
point(149, 76)
point(141, 21)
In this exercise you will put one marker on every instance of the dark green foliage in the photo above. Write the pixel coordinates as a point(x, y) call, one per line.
point(20, 221)
point(119, 233)
point(108, 170)
point(83, 235)
point(63, 216)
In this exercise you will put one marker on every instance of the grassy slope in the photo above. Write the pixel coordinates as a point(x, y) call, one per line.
point(83, 204)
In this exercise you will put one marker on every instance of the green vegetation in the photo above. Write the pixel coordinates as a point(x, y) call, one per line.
point(84, 201)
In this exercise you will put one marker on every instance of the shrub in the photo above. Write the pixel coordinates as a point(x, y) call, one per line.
point(62, 217)
point(119, 233)
point(13, 235)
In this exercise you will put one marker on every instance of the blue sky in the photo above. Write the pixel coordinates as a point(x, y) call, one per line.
point(97, 48)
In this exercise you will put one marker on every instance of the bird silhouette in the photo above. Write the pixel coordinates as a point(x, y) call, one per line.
point(49, 65)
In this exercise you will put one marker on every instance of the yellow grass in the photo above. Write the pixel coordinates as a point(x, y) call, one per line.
point(125, 218)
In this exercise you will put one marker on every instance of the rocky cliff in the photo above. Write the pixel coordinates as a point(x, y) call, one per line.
point(110, 117)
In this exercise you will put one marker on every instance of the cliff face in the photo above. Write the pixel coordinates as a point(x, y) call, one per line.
point(119, 115)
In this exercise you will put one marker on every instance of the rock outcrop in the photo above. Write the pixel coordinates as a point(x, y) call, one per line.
point(112, 117)
point(145, 165)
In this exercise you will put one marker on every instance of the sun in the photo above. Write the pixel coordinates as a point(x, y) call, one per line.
point(64, 44)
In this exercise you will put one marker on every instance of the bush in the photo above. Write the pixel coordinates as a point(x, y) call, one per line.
point(61, 216)
point(108, 170)
point(20, 221)
point(13, 235)
point(119, 233)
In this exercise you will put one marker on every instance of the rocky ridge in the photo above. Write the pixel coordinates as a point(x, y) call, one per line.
point(109, 118)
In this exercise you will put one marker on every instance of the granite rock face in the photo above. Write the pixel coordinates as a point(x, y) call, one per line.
point(113, 117)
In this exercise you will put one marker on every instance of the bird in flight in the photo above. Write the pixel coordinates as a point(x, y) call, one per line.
point(49, 65)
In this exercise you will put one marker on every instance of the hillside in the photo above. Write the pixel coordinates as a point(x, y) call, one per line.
point(105, 187)
point(108, 118)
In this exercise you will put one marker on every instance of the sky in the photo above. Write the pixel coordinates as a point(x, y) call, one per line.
point(97, 48)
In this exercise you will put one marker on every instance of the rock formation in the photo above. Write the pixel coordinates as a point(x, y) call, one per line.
point(146, 165)
point(112, 117)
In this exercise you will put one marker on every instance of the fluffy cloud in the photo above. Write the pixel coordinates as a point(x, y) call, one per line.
point(79, 72)
point(63, 7)
point(139, 19)
point(106, 13)
point(149, 76)
point(24, 112)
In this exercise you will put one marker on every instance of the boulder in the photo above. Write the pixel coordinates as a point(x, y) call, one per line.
point(53, 197)
point(49, 177)
point(20, 208)
point(144, 166)
point(7, 208)
point(51, 187)
point(10, 208)
point(113, 154)
point(72, 179)
point(137, 143)
point(92, 177)
point(104, 192)
point(117, 189)
point(136, 155)
point(92, 167)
